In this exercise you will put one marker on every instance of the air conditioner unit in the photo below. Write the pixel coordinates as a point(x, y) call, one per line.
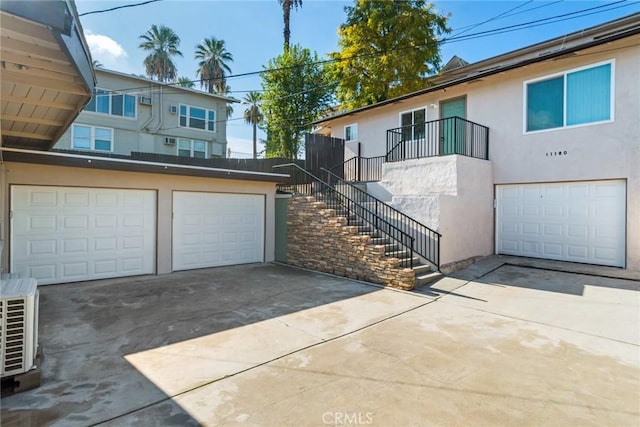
point(18, 325)
point(144, 100)
point(173, 109)
point(170, 141)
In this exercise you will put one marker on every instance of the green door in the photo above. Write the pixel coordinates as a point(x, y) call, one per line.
point(453, 130)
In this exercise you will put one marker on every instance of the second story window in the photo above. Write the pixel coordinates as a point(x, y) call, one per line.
point(572, 98)
point(92, 138)
point(197, 118)
point(114, 104)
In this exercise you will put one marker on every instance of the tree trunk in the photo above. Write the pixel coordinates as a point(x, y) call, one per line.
point(255, 144)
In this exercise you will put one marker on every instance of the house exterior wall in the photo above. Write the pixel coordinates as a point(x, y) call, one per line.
point(600, 151)
point(164, 185)
point(153, 123)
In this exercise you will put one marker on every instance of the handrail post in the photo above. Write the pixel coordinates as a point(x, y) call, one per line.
point(455, 135)
point(486, 155)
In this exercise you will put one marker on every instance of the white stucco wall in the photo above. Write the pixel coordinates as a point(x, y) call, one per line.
point(164, 185)
point(593, 152)
point(452, 195)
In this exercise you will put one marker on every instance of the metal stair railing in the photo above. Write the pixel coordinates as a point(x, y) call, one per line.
point(427, 241)
point(360, 169)
point(303, 182)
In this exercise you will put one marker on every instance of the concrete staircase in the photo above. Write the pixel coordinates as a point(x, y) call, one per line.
point(424, 272)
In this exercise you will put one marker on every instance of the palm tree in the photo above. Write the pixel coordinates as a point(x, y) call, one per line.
point(213, 65)
point(253, 116)
point(162, 43)
point(287, 5)
point(185, 82)
point(96, 63)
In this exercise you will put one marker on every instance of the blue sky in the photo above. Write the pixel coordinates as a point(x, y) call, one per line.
point(252, 31)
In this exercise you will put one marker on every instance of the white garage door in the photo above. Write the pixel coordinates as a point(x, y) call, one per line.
point(69, 234)
point(214, 229)
point(574, 221)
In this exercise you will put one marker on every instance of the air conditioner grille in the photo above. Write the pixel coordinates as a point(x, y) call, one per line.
point(18, 325)
point(14, 339)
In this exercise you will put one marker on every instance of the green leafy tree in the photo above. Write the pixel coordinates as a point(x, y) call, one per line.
point(214, 64)
point(162, 44)
point(185, 82)
point(253, 116)
point(287, 5)
point(388, 48)
point(296, 90)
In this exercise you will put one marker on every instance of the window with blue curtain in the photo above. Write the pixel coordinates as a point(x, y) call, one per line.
point(545, 104)
point(589, 95)
point(574, 98)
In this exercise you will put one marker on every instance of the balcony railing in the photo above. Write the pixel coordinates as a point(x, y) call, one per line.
point(453, 135)
point(360, 169)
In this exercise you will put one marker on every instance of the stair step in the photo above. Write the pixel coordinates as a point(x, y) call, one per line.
point(364, 229)
point(398, 253)
point(380, 240)
point(425, 279)
point(407, 260)
point(422, 269)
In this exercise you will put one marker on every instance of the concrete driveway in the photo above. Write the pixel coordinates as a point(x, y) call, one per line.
point(271, 345)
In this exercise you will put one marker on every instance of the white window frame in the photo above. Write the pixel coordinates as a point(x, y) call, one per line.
point(206, 120)
point(426, 111)
point(110, 113)
point(93, 138)
point(353, 126)
point(191, 147)
point(564, 73)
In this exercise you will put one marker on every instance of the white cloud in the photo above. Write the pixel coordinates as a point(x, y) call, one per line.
point(110, 53)
point(105, 48)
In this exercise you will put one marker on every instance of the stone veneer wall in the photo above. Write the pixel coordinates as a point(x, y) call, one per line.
point(319, 240)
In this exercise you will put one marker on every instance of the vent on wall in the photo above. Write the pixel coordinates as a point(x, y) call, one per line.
point(144, 100)
point(18, 325)
point(170, 141)
point(173, 109)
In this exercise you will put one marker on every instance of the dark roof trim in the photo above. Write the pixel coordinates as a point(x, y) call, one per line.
point(634, 30)
point(54, 14)
point(105, 163)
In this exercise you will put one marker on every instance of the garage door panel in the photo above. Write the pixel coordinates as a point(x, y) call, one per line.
point(61, 234)
point(214, 229)
point(551, 249)
point(580, 222)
